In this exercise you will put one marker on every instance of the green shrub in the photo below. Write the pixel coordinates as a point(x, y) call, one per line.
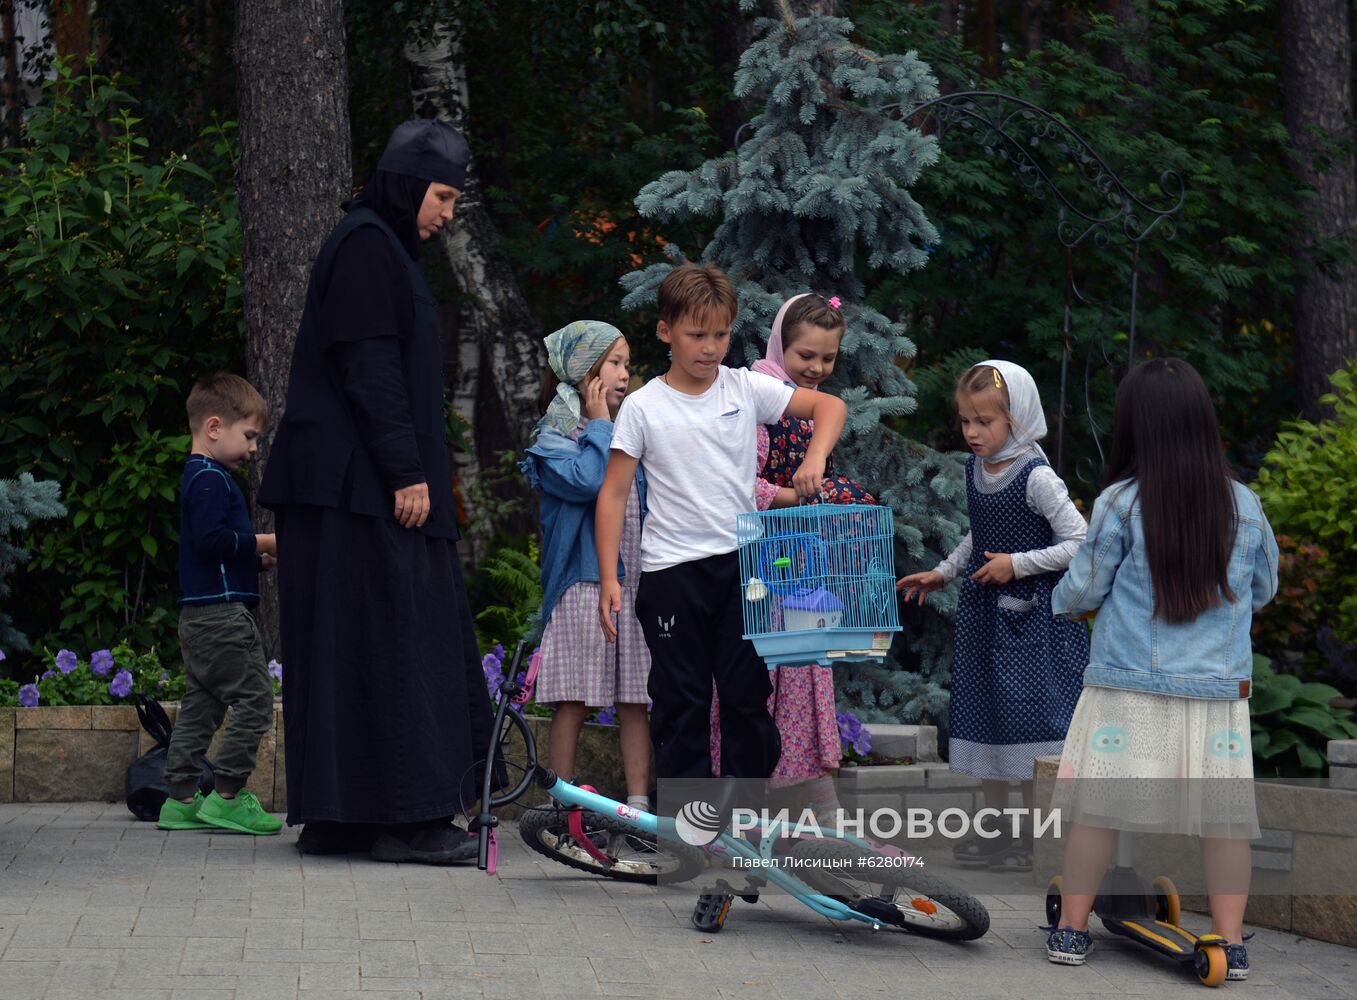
point(121, 286)
point(1293, 722)
point(1308, 486)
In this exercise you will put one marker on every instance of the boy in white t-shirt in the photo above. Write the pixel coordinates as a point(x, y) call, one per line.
point(693, 430)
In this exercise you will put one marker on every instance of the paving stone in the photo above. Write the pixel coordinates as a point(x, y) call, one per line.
point(117, 909)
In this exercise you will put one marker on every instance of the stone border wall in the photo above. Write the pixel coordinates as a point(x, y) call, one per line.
point(81, 754)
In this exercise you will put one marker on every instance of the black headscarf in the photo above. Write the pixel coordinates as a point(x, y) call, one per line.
point(397, 199)
point(420, 151)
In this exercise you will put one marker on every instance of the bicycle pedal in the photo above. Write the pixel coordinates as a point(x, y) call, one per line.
point(709, 915)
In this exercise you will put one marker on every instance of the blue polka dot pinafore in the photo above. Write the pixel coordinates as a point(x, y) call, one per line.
point(1017, 671)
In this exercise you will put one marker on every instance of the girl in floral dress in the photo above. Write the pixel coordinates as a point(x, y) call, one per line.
point(801, 351)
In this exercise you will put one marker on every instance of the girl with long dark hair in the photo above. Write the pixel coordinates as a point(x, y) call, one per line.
point(1179, 556)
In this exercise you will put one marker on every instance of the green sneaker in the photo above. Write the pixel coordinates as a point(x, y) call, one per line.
point(243, 814)
point(176, 815)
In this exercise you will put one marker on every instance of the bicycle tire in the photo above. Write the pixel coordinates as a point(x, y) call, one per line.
point(857, 877)
point(514, 720)
point(544, 829)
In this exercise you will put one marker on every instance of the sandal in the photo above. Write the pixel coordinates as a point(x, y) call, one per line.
point(980, 850)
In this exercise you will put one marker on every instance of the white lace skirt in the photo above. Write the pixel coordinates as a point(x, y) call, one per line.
point(1159, 763)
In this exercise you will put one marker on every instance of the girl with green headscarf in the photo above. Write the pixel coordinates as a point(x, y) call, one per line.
point(580, 670)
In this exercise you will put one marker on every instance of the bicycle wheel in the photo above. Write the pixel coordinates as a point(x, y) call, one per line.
point(637, 856)
point(515, 753)
point(871, 882)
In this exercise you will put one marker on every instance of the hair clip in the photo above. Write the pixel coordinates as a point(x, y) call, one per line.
point(834, 301)
point(998, 381)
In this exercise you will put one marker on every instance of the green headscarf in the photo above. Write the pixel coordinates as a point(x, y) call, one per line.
point(571, 352)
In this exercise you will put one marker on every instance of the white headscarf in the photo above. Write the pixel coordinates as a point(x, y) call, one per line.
point(1027, 421)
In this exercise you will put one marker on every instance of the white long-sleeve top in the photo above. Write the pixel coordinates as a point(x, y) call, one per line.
point(1048, 496)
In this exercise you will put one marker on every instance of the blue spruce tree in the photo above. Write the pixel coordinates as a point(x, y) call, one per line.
point(816, 198)
point(22, 501)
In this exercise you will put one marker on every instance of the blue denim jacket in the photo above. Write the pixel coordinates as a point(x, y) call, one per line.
point(1210, 657)
point(567, 475)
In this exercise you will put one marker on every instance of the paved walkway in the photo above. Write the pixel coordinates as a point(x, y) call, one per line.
point(96, 905)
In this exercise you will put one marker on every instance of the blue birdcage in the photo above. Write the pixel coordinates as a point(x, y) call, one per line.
point(819, 583)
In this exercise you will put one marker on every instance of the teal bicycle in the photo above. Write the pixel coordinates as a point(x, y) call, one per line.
point(836, 875)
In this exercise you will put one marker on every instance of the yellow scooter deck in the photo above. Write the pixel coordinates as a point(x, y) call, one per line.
point(1160, 935)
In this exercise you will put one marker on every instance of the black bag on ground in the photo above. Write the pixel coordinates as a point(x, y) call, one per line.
point(146, 791)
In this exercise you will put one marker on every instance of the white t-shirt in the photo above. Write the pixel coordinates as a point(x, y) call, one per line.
point(699, 461)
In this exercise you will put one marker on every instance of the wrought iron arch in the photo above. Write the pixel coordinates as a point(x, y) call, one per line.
point(1018, 131)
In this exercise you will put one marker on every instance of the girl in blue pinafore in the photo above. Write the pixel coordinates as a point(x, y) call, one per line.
point(1017, 672)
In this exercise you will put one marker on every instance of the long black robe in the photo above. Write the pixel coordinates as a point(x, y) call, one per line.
point(385, 706)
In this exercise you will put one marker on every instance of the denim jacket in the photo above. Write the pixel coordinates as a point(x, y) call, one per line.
point(567, 474)
point(1210, 657)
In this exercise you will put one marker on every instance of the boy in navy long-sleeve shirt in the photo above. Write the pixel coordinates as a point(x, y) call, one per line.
point(220, 557)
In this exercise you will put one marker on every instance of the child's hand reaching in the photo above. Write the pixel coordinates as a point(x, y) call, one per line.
point(267, 562)
point(999, 569)
point(807, 479)
point(922, 584)
point(609, 604)
point(595, 398)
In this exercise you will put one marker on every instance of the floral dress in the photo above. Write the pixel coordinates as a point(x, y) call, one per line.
point(802, 702)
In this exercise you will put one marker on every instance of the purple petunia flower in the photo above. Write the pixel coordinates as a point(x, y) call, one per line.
point(853, 734)
point(121, 685)
point(499, 652)
point(101, 662)
point(2, 655)
point(276, 670)
point(46, 674)
point(28, 695)
point(607, 717)
point(66, 661)
point(164, 678)
point(494, 675)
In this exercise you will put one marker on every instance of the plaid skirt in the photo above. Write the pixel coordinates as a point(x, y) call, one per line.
point(578, 663)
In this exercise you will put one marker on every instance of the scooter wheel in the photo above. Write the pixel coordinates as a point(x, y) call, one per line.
point(1211, 965)
point(1168, 907)
point(1054, 892)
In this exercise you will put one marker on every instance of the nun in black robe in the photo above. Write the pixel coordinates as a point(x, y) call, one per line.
point(385, 705)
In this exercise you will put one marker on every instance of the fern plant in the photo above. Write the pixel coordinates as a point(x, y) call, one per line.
point(514, 587)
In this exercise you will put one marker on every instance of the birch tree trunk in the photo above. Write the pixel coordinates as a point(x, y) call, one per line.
point(293, 102)
point(1317, 105)
point(498, 344)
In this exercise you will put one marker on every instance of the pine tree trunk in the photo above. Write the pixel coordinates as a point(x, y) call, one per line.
point(949, 16)
point(805, 8)
point(1033, 16)
point(11, 111)
point(293, 104)
point(499, 351)
point(71, 29)
point(987, 36)
point(731, 35)
point(1317, 102)
point(1135, 23)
